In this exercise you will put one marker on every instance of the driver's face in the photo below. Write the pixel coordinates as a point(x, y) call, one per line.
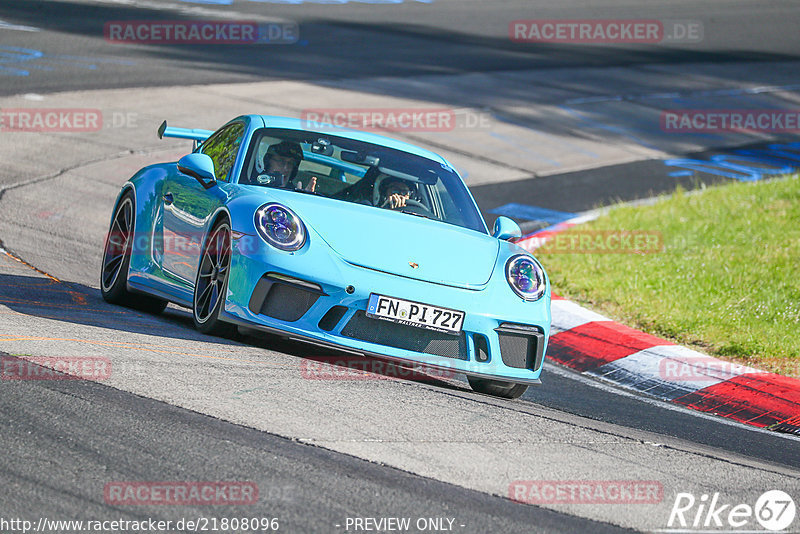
point(398, 188)
point(281, 164)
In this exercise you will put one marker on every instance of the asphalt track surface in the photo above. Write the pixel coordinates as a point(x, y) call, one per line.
point(309, 488)
point(359, 40)
point(63, 440)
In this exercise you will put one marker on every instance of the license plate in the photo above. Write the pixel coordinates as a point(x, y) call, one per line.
point(415, 314)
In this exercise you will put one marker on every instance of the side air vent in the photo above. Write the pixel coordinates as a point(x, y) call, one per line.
point(481, 348)
point(284, 298)
point(521, 346)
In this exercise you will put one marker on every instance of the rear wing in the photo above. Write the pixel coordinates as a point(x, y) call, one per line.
point(196, 135)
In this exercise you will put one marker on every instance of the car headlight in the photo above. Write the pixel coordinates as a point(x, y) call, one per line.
point(280, 227)
point(526, 277)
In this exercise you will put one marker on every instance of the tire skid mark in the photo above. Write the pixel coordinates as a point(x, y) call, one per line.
point(23, 262)
point(77, 297)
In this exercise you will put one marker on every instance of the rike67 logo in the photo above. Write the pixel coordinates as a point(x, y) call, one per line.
point(774, 511)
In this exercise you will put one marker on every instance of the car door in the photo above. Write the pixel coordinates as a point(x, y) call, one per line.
point(188, 205)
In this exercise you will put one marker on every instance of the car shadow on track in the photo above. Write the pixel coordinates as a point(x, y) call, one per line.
point(321, 363)
point(71, 302)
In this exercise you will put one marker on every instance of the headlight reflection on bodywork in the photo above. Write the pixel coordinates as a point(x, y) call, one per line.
point(525, 277)
point(280, 227)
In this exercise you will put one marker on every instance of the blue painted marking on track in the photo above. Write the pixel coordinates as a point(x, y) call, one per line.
point(16, 54)
point(13, 72)
point(708, 167)
point(532, 213)
point(11, 57)
point(745, 165)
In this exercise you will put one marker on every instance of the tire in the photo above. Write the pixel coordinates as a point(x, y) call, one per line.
point(211, 283)
point(117, 260)
point(495, 388)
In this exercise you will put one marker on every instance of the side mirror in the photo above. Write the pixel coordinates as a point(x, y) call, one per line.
point(505, 228)
point(200, 167)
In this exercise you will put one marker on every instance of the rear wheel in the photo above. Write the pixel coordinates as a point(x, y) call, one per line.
point(212, 283)
point(496, 388)
point(117, 259)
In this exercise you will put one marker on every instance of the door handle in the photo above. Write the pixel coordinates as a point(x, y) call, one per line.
point(167, 198)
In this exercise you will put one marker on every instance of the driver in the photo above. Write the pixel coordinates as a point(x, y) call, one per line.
point(395, 192)
point(281, 162)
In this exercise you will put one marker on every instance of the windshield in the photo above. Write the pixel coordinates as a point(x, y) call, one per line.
point(359, 172)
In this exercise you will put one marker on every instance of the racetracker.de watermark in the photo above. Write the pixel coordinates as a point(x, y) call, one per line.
point(180, 493)
point(598, 242)
point(586, 491)
point(365, 368)
point(394, 119)
point(247, 523)
point(55, 368)
point(605, 31)
point(172, 245)
point(50, 120)
point(64, 120)
point(200, 32)
point(730, 120)
point(703, 368)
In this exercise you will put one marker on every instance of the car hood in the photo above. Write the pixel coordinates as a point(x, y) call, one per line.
point(391, 242)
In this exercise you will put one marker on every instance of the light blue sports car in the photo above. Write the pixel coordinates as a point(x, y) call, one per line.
point(345, 239)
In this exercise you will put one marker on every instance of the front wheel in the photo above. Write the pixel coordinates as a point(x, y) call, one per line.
point(212, 283)
point(496, 388)
point(117, 259)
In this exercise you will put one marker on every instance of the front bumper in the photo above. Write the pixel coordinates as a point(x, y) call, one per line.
point(315, 296)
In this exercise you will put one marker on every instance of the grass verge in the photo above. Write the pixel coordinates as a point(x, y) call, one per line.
point(727, 280)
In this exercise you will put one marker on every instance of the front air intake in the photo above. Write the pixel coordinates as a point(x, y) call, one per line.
point(283, 298)
point(521, 346)
point(406, 337)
